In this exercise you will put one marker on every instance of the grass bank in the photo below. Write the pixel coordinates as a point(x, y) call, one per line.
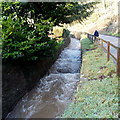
point(87, 44)
point(97, 91)
point(115, 34)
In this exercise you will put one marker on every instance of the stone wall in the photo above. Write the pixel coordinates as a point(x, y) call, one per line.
point(19, 78)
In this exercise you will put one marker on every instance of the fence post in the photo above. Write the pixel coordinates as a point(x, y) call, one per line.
point(101, 43)
point(108, 51)
point(118, 62)
point(92, 38)
point(97, 40)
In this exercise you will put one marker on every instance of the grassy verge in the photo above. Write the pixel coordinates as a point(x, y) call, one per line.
point(114, 34)
point(86, 43)
point(97, 91)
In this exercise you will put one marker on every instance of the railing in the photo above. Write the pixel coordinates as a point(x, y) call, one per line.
point(101, 42)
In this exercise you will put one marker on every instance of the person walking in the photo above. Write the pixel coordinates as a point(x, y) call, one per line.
point(96, 34)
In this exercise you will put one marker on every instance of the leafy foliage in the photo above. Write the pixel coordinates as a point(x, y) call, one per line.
point(58, 31)
point(22, 41)
point(60, 12)
point(86, 43)
point(26, 26)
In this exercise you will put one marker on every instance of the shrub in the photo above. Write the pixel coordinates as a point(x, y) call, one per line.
point(66, 33)
point(25, 42)
point(57, 31)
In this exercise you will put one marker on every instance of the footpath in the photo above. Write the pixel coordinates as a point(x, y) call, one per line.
point(114, 40)
point(97, 92)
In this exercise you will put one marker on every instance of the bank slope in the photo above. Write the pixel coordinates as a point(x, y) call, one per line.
point(97, 92)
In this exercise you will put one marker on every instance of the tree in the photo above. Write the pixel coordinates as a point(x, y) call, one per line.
point(26, 26)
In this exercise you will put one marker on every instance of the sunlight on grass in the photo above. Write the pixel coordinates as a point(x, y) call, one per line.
point(86, 43)
point(115, 34)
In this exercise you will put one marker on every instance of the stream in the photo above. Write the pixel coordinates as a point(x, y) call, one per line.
point(51, 96)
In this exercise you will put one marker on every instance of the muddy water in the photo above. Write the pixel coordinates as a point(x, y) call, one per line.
point(51, 96)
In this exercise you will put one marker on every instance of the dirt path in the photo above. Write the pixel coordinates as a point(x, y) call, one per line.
point(114, 40)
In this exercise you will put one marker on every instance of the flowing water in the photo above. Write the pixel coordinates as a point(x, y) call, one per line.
point(51, 96)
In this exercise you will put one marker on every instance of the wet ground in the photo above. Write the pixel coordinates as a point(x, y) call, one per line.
point(51, 96)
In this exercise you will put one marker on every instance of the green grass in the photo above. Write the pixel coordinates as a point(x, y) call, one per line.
point(97, 91)
point(114, 34)
point(86, 43)
point(0, 46)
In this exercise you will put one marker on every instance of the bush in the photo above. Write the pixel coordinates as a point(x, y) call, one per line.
point(60, 32)
point(22, 41)
point(57, 31)
point(66, 33)
point(27, 40)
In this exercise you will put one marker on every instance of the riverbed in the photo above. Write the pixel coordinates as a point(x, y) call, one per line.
point(54, 91)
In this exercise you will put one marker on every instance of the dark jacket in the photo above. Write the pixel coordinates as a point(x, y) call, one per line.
point(96, 33)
